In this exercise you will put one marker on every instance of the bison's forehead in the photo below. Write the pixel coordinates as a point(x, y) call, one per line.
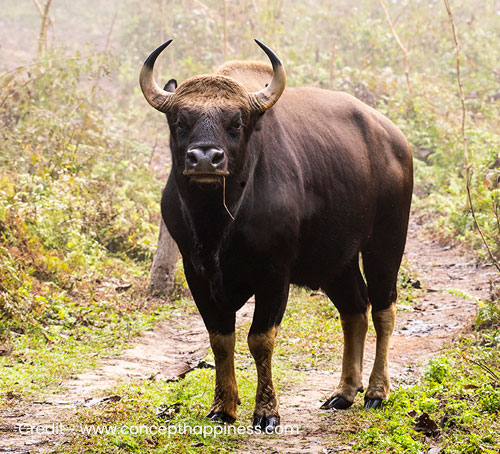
point(212, 90)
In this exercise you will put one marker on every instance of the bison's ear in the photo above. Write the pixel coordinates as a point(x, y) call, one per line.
point(171, 85)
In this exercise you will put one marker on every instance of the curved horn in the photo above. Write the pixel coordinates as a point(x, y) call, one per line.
point(158, 98)
point(266, 98)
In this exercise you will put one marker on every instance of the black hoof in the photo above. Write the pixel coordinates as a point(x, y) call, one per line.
point(220, 416)
point(337, 402)
point(373, 403)
point(266, 424)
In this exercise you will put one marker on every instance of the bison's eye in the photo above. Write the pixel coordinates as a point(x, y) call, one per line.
point(181, 124)
point(235, 127)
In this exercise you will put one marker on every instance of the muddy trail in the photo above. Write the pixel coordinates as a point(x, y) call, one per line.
point(433, 320)
point(172, 349)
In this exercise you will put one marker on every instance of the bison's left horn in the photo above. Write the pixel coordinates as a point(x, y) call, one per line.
point(266, 98)
point(157, 97)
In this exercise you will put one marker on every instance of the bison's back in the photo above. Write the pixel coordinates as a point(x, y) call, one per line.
point(351, 170)
point(344, 133)
point(332, 124)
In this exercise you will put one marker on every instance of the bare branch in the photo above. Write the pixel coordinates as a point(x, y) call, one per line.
point(42, 38)
point(38, 7)
point(224, 5)
point(332, 63)
point(469, 202)
point(401, 13)
point(481, 364)
point(401, 46)
point(110, 31)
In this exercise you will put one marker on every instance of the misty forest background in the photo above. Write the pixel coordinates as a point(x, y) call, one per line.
point(83, 157)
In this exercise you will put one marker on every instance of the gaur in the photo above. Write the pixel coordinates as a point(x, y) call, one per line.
point(271, 187)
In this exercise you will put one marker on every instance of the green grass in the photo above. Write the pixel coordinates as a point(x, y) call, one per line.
point(139, 407)
point(36, 365)
point(459, 390)
point(140, 400)
point(79, 216)
point(100, 322)
point(455, 390)
point(310, 337)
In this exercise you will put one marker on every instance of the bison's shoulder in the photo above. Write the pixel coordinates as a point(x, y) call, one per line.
point(339, 115)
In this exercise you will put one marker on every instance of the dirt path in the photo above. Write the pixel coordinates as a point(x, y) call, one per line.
point(172, 349)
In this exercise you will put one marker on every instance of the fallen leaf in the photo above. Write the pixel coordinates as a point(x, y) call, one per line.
point(205, 365)
point(434, 450)
point(168, 411)
point(5, 350)
point(424, 424)
point(415, 283)
point(90, 402)
point(11, 395)
point(122, 287)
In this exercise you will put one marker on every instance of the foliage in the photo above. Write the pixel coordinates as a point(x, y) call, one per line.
point(79, 203)
point(78, 208)
point(457, 394)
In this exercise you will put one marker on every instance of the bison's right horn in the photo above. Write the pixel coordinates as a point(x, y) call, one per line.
point(158, 98)
point(266, 98)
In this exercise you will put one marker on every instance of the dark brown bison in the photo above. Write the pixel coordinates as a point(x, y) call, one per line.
point(271, 187)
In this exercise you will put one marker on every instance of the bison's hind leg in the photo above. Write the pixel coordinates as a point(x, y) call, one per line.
point(348, 293)
point(379, 385)
point(381, 261)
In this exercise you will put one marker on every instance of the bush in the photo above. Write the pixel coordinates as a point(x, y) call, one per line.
point(76, 194)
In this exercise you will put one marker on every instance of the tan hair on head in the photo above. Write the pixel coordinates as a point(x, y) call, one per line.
point(213, 90)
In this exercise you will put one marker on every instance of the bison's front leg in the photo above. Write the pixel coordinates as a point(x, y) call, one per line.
point(270, 304)
point(226, 390)
point(266, 414)
point(220, 326)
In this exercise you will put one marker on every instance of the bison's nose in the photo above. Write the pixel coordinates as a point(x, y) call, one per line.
point(204, 161)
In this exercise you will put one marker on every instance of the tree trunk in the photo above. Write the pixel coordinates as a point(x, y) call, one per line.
point(164, 262)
